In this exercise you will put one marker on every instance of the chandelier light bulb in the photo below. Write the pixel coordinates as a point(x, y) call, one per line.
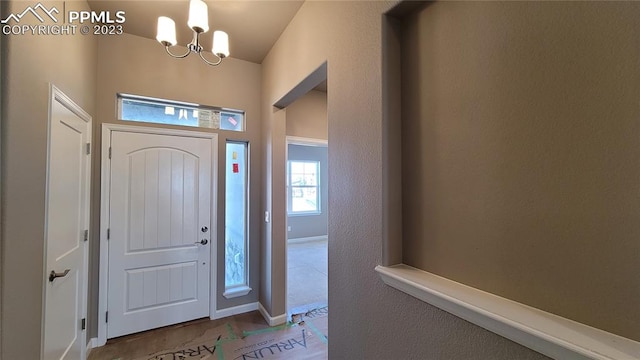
point(220, 44)
point(166, 34)
point(198, 16)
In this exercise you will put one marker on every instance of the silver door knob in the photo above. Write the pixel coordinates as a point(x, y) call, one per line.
point(202, 242)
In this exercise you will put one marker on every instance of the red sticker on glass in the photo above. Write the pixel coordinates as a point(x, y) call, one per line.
point(236, 168)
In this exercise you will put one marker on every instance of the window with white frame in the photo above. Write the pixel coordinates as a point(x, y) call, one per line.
point(303, 187)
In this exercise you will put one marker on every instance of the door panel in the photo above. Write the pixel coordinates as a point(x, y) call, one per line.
point(161, 285)
point(67, 219)
point(160, 199)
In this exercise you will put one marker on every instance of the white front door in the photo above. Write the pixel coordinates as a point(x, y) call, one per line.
point(67, 220)
point(160, 230)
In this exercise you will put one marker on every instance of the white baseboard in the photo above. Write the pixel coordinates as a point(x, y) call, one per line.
point(240, 309)
point(93, 343)
point(308, 239)
point(271, 320)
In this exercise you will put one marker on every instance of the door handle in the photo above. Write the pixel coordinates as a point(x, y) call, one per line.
point(202, 242)
point(53, 275)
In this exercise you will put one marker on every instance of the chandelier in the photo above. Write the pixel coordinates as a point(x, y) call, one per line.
point(199, 23)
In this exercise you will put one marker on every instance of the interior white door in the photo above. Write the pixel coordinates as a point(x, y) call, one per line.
point(159, 243)
point(67, 220)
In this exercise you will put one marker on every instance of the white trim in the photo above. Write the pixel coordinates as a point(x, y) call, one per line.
point(305, 141)
point(272, 320)
point(105, 170)
point(105, 166)
point(308, 239)
point(62, 98)
point(92, 343)
point(240, 309)
point(159, 131)
point(549, 334)
point(213, 234)
point(56, 94)
point(236, 291)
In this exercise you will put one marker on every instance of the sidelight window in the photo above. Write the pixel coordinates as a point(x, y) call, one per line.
point(236, 207)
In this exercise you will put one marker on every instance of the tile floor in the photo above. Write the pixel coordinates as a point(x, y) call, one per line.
point(307, 280)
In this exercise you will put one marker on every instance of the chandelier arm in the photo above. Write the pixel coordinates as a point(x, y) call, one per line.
point(178, 56)
point(209, 62)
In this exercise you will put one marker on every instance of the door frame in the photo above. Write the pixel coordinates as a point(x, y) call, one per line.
point(56, 95)
point(105, 171)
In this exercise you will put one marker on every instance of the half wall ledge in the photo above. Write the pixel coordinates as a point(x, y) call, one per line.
point(546, 333)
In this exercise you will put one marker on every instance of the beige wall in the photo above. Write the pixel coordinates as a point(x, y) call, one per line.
point(307, 116)
point(520, 142)
point(367, 319)
point(30, 63)
point(135, 65)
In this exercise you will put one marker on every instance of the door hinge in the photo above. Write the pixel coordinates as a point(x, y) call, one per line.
point(83, 324)
point(86, 235)
point(108, 234)
point(88, 148)
point(109, 152)
point(106, 317)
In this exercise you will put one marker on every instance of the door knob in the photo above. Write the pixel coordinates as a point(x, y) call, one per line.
point(53, 275)
point(204, 229)
point(202, 242)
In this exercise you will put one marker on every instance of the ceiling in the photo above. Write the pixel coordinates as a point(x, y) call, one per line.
point(253, 25)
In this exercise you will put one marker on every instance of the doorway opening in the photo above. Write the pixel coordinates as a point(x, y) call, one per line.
point(307, 202)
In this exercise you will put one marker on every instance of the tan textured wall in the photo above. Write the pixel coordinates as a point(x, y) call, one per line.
point(135, 65)
point(307, 116)
point(367, 319)
point(30, 63)
point(520, 135)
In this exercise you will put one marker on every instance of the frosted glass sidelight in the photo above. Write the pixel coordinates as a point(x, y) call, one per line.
point(236, 178)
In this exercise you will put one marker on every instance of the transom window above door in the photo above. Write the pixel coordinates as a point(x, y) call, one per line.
point(160, 111)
